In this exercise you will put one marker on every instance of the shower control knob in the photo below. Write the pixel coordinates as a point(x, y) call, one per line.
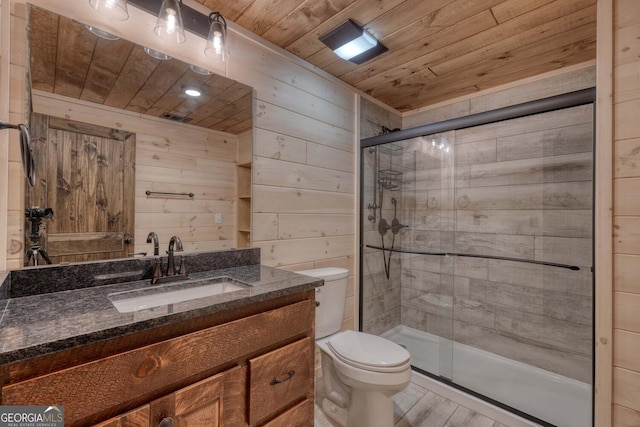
point(396, 226)
point(383, 226)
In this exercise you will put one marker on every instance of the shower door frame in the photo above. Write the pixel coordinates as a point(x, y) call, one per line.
point(544, 105)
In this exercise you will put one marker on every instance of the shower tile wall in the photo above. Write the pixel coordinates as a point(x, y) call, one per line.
point(523, 189)
point(381, 297)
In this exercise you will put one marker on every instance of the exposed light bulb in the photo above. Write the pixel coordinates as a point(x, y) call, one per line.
point(171, 20)
point(169, 25)
point(217, 42)
point(216, 47)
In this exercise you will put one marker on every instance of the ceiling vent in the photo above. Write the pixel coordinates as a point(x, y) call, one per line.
point(176, 118)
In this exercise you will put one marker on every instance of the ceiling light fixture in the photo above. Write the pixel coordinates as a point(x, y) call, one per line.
point(217, 40)
point(156, 54)
point(116, 9)
point(169, 25)
point(200, 70)
point(193, 91)
point(352, 42)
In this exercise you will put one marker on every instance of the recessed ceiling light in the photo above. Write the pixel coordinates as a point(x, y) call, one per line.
point(192, 91)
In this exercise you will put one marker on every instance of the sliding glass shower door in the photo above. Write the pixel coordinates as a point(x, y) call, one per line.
point(477, 254)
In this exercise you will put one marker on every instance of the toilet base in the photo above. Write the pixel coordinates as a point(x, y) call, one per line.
point(370, 408)
point(334, 412)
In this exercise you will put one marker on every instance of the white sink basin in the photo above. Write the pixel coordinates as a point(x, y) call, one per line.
point(156, 296)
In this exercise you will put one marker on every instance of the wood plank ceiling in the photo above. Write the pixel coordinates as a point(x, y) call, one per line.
point(438, 49)
point(68, 60)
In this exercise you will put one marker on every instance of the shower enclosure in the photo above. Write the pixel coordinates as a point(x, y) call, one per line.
point(477, 246)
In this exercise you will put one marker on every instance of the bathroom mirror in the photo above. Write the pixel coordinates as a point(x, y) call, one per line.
point(118, 142)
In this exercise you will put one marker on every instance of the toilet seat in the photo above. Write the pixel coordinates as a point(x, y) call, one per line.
point(369, 352)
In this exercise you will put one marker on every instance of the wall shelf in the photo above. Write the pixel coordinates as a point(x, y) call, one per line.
point(243, 192)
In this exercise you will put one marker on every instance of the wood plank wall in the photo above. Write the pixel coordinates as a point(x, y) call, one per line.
point(4, 136)
point(626, 199)
point(13, 106)
point(170, 157)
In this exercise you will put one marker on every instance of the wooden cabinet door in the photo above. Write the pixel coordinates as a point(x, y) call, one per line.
point(137, 418)
point(215, 401)
point(85, 173)
point(280, 378)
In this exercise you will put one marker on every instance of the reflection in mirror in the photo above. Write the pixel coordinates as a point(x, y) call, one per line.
point(110, 124)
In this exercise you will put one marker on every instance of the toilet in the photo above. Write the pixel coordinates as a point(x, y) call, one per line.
point(361, 371)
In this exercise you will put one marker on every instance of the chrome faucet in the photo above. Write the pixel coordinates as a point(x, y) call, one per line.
point(154, 237)
point(171, 266)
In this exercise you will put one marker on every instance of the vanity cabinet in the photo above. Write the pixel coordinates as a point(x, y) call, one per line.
point(248, 366)
point(212, 402)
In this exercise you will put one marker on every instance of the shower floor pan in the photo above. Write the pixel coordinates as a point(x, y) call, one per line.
point(556, 399)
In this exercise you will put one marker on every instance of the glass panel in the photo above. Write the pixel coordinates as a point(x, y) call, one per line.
point(408, 298)
point(524, 190)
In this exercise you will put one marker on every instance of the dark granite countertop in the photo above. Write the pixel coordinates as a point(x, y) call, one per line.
point(41, 324)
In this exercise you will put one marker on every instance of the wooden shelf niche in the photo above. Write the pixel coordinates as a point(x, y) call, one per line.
point(243, 185)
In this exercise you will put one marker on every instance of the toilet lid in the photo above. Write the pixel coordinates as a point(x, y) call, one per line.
point(368, 351)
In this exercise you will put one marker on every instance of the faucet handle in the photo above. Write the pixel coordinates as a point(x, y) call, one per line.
point(171, 268)
point(182, 269)
point(157, 271)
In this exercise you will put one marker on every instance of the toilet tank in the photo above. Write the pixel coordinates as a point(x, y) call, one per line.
point(330, 299)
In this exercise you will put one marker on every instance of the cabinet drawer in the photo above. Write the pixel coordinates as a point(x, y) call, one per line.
point(300, 415)
point(137, 418)
point(279, 378)
point(107, 385)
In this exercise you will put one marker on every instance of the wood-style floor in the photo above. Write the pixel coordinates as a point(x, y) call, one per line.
point(416, 406)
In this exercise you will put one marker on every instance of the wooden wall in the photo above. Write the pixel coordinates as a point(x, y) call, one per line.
point(626, 199)
point(12, 109)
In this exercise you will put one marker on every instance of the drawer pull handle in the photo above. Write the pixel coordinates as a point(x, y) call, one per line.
point(284, 378)
point(166, 422)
